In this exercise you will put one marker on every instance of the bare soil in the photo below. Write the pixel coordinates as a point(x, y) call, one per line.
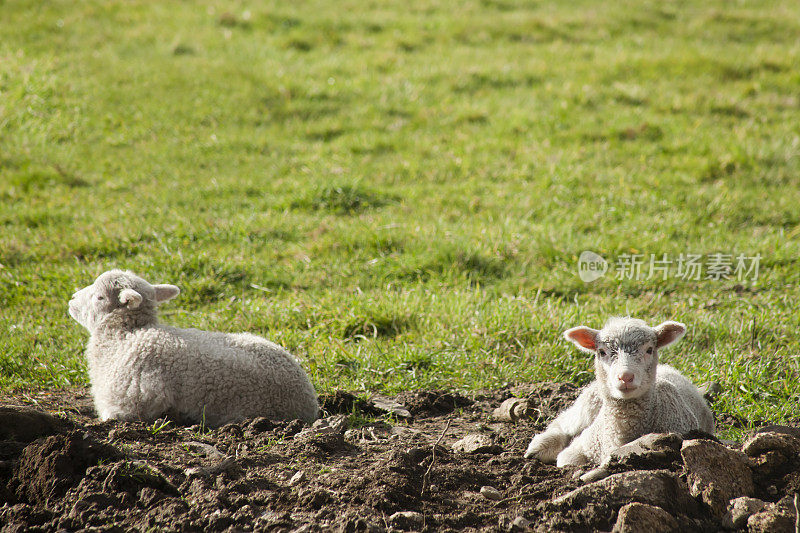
point(61, 468)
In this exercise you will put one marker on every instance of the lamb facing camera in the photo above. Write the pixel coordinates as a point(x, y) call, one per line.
point(142, 370)
point(631, 396)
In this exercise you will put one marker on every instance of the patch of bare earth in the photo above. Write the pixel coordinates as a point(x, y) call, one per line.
point(61, 468)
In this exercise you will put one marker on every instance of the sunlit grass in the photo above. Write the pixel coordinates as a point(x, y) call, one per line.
point(399, 193)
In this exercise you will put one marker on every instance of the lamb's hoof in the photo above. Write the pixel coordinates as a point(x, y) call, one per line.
point(542, 450)
point(595, 474)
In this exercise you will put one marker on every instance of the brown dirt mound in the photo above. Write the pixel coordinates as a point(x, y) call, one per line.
point(71, 471)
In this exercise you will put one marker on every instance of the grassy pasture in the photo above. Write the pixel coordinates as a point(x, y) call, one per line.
point(399, 192)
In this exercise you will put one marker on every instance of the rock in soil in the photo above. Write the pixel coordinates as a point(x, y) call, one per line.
point(643, 518)
point(739, 510)
point(491, 493)
point(475, 443)
point(775, 518)
point(520, 523)
point(299, 477)
point(407, 520)
point(511, 410)
point(388, 405)
point(716, 474)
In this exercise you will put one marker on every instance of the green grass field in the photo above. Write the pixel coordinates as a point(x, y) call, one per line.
point(399, 192)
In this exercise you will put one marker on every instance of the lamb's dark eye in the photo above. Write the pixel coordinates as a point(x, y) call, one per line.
point(650, 350)
point(602, 352)
point(101, 297)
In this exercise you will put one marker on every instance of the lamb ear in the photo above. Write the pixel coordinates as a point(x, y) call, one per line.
point(166, 292)
point(130, 298)
point(668, 332)
point(584, 338)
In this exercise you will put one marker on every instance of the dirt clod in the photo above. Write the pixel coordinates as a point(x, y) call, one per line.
point(716, 474)
point(47, 468)
point(643, 518)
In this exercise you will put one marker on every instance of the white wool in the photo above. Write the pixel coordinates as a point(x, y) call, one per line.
point(631, 396)
point(142, 370)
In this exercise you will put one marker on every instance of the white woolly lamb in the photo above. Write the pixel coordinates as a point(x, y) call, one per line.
point(631, 396)
point(142, 370)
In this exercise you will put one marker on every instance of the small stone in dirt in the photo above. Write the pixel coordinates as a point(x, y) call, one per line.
point(739, 510)
point(389, 405)
point(369, 433)
point(226, 464)
point(520, 523)
point(406, 520)
point(716, 474)
point(335, 424)
point(206, 449)
point(405, 432)
point(491, 493)
point(475, 443)
point(511, 410)
point(298, 477)
point(788, 445)
point(643, 518)
point(274, 518)
point(774, 518)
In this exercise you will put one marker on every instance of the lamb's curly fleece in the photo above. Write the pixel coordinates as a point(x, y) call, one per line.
point(602, 418)
point(142, 370)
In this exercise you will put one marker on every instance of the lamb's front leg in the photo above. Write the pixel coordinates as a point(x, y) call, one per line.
point(574, 454)
point(548, 445)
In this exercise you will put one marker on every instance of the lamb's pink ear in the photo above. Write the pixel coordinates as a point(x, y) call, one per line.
point(130, 298)
point(166, 292)
point(583, 337)
point(668, 332)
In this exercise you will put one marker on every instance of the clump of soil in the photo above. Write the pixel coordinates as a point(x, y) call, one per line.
point(368, 470)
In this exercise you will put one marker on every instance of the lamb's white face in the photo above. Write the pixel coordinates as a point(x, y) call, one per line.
point(116, 290)
point(626, 353)
point(89, 305)
point(627, 365)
